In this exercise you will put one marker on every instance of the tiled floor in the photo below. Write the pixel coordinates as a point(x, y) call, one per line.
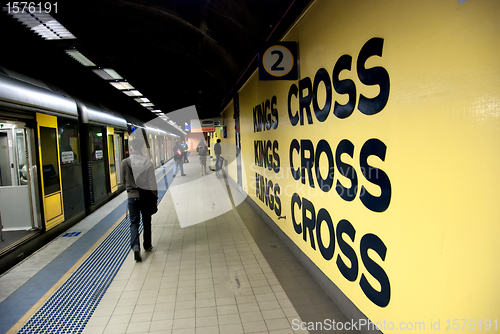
point(224, 273)
point(211, 277)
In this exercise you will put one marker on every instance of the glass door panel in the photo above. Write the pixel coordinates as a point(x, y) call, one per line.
point(15, 192)
point(22, 157)
point(5, 159)
point(118, 155)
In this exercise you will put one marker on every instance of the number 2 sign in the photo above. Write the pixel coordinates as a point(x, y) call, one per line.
point(278, 61)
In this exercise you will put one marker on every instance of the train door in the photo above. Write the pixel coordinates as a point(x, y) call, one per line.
point(118, 155)
point(170, 154)
point(48, 142)
point(71, 168)
point(126, 152)
point(98, 177)
point(163, 149)
point(113, 181)
point(152, 149)
point(157, 151)
point(17, 201)
point(160, 149)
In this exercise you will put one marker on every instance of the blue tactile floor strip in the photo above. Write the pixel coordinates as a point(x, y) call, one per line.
point(71, 306)
point(69, 309)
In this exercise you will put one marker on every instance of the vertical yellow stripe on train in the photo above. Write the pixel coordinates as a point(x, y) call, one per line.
point(111, 159)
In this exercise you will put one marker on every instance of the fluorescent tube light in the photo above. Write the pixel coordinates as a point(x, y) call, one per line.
point(132, 93)
point(141, 99)
point(43, 24)
point(122, 85)
point(113, 74)
point(76, 55)
point(108, 74)
point(102, 74)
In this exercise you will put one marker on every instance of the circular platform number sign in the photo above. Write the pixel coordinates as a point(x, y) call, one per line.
point(278, 60)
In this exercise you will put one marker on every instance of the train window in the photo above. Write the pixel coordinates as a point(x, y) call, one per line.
point(68, 142)
point(50, 159)
point(5, 177)
point(97, 143)
point(125, 147)
point(21, 157)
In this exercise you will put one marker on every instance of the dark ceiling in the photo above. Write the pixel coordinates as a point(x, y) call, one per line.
point(177, 53)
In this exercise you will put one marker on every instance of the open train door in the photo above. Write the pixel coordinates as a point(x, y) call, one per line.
point(17, 183)
point(48, 145)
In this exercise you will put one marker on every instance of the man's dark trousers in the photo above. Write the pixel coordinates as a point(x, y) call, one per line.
point(134, 208)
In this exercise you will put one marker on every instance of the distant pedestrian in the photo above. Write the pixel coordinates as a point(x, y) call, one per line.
point(178, 159)
point(185, 151)
point(140, 183)
point(202, 150)
point(217, 150)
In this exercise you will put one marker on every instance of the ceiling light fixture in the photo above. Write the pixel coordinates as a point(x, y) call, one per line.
point(43, 24)
point(121, 85)
point(107, 74)
point(141, 99)
point(132, 93)
point(113, 74)
point(76, 55)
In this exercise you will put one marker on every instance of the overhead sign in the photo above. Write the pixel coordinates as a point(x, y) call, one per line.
point(278, 61)
point(207, 125)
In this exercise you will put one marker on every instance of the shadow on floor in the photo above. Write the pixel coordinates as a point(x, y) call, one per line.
point(309, 300)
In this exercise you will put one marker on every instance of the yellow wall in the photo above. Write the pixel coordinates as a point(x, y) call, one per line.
point(440, 127)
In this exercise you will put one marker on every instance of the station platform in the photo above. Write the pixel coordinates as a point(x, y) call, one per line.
point(216, 267)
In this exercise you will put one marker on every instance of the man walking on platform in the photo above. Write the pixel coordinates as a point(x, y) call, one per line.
point(140, 183)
